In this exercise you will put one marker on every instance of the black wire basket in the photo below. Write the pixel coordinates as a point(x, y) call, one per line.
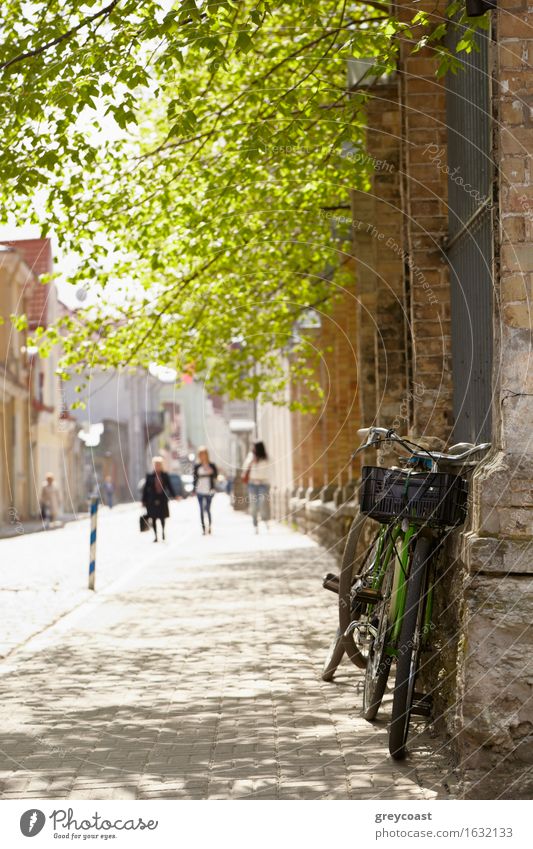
point(431, 498)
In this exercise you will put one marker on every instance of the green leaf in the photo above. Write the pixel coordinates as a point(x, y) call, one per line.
point(243, 42)
point(194, 213)
point(19, 322)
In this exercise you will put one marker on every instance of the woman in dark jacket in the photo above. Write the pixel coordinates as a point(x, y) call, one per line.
point(156, 493)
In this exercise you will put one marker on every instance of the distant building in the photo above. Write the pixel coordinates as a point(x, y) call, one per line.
point(193, 418)
point(173, 442)
point(46, 433)
point(127, 404)
point(16, 279)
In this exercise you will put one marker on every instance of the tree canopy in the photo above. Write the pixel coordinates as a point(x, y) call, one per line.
point(185, 153)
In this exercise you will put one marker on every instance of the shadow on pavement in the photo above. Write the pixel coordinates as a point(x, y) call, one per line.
point(202, 680)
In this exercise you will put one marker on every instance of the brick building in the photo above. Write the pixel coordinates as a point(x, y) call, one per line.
point(438, 326)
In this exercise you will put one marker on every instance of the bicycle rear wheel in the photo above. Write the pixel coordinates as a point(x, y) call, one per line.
point(334, 657)
point(356, 562)
point(409, 649)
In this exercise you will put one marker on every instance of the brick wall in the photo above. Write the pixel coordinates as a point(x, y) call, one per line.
point(364, 365)
point(379, 253)
point(403, 315)
point(323, 440)
point(425, 190)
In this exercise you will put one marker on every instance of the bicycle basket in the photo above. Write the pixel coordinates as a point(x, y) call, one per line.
point(426, 497)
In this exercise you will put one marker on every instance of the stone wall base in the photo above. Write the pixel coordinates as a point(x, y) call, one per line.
point(323, 521)
point(494, 720)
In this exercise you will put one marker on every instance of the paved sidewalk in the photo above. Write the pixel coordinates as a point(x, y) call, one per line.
point(36, 526)
point(198, 676)
point(44, 576)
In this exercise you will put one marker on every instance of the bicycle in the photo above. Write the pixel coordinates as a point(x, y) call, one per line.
point(386, 584)
point(340, 646)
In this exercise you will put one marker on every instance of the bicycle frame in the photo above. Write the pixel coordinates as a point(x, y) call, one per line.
point(395, 542)
point(401, 531)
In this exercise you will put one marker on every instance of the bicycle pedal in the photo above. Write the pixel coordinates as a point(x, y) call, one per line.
point(368, 595)
point(331, 582)
point(422, 704)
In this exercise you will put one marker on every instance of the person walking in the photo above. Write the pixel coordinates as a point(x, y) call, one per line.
point(205, 475)
point(156, 494)
point(256, 473)
point(50, 500)
point(109, 491)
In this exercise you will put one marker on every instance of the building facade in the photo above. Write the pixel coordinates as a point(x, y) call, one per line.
point(15, 470)
point(38, 432)
point(442, 247)
point(119, 423)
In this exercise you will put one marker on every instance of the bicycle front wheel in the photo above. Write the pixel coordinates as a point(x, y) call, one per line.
point(379, 660)
point(409, 649)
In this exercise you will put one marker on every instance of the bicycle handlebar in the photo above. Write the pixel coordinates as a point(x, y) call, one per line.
point(377, 435)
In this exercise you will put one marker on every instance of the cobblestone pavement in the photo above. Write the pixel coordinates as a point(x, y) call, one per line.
point(197, 675)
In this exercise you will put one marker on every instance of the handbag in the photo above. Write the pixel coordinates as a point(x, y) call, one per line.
point(144, 523)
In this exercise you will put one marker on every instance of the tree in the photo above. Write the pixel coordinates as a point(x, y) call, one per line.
point(186, 153)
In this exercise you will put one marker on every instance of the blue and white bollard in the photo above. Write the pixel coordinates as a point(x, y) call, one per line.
point(92, 556)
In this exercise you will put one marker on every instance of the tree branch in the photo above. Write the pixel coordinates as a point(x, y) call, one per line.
point(334, 31)
point(160, 313)
point(105, 12)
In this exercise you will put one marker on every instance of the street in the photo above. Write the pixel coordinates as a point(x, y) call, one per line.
point(193, 672)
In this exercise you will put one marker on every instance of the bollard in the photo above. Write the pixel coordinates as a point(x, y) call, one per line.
point(93, 506)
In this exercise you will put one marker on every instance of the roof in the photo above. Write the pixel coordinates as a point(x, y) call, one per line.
point(37, 254)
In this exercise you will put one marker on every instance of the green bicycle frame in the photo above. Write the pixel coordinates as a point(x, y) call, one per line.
point(395, 542)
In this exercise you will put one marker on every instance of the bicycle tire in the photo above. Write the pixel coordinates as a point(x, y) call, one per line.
point(408, 650)
point(379, 662)
point(346, 578)
point(334, 657)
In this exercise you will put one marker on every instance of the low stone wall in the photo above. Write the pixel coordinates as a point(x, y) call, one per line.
point(325, 522)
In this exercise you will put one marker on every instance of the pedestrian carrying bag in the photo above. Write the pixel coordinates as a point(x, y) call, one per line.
point(144, 523)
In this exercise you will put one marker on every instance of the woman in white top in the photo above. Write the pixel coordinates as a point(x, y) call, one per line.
point(205, 475)
point(256, 473)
